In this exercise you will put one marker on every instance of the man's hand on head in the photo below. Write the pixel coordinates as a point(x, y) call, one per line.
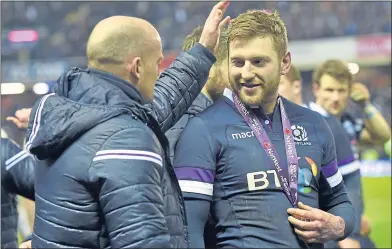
point(360, 93)
point(213, 26)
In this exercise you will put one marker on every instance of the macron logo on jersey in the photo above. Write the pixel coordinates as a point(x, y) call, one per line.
point(241, 135)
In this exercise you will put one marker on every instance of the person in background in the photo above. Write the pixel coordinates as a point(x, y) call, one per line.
point(17, 175)
point(289, 88)
point(213, 89)
point(332, 87)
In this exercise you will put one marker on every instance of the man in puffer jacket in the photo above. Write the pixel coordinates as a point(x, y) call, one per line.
point(17, 175)
point(212, 90)
point(104, 178)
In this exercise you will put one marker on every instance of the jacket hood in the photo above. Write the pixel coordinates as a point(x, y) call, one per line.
point(82, 99)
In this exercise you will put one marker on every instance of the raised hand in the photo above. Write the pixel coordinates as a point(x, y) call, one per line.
point(359, 93)
point(212, 27)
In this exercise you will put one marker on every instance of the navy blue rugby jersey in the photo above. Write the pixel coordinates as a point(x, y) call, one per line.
point(353, 127)
point(219, 160)
point(346, 136)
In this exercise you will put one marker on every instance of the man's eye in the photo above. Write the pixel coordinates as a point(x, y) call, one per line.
point(259, 62)
point(237, 63)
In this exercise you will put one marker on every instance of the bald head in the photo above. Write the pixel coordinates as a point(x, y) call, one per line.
point(115, 39)
point(129, 48)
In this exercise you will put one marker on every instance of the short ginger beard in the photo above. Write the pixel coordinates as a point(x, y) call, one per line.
point(264, 98)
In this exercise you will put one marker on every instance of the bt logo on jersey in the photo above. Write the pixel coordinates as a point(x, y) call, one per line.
point(258, 180)
point(261, 179)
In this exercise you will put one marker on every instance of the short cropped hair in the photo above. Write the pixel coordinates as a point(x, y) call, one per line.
point(254, 23)
point(335, 68)
point(194, 37)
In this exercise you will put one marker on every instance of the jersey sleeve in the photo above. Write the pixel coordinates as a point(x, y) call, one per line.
point(344, 153)
point(332, 190)
point(333, 197)
point(194, 161)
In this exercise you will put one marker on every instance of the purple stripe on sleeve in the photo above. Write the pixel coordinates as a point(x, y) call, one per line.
point(330, 169)
point(347, 160)
point(196, 174)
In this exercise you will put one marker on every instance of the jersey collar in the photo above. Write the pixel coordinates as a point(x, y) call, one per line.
point(276, 121)
point(315, 107)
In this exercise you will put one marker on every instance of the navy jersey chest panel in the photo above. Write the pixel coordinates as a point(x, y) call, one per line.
point(248, 205)
point(244, 169)
point(353, 128)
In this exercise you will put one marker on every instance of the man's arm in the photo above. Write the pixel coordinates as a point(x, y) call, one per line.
point(194, 162)
point(335, 217)
point(179, 85)
point(377, 130)
point(332, 192)
point(17, 170)
point(127, 174)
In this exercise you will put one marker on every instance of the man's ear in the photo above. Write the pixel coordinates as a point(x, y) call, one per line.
point(285, 64)
point(212, 73)
point(134, 67)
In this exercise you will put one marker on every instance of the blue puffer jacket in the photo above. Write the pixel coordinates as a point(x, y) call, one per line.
point(104, 179)
point(17, 177)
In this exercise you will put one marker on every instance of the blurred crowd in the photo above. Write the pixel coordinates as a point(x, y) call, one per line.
point(63, 27)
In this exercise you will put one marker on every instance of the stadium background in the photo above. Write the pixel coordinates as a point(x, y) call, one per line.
point(41, 39)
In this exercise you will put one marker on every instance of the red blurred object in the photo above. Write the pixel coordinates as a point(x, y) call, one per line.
point(168, 59)
point(23, 36)
point(374, 45)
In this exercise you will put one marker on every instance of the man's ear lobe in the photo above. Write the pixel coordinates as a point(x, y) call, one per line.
point(285, 64)
point(134, 67)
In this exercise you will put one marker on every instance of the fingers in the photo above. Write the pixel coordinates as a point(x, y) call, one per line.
point(218, 11)
point(17, 122)
point(224, 22)
point(303, 214)
point(303, 225)
point(222, 5)
point(26, 244)
point(303, 206)
point(212, 26)
point(358, 95)
point(14, 120)
point(23, 114)
point(307, 236)
point(360, 88)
